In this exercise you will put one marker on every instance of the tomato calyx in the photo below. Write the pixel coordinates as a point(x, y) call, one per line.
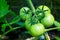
point(40, 13)
point(25, 13)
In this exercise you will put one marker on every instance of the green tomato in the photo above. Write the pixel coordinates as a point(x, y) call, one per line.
point(25, 13)
point(31, 21)
point(27, 24)
point(44, 9)
point(37, 30)
point(48, 20)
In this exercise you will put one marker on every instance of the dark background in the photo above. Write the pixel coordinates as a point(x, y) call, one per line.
point(54, 5)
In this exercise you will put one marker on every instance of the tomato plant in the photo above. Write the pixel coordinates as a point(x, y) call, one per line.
point(34, 20)
point(45, 16)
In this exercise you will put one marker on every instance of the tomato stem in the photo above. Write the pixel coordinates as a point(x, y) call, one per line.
point(31, 5)
point(8, 24)
point(52, 29)
point(57, 24)
point(10, 30)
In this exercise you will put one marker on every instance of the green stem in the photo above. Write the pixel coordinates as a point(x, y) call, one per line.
point(31, 5)
point(10, 30)
point(52, 29)
point(57, 24)
point(8, 24)
point(51, 4)
point(32, 8)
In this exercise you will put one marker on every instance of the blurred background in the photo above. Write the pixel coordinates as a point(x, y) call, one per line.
point(15, 6)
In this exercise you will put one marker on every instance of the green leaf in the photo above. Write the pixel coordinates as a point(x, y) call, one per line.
point(3, 8)
point(4, 27)
point(15, 20)
point(12, 13)
point(20, 23)
point(57, 24)
point(57, 38)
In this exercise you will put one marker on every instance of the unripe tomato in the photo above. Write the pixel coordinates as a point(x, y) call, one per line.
point(42, 11)
point(31, 21)
point(25, 13)
point(27, 24)
point(48, 20)
point(37, 29)
point(44, 8)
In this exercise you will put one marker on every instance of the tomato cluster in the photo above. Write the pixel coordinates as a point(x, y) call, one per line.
point(48, 18)
point(36, 22)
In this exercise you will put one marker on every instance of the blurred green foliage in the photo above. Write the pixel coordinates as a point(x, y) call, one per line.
point(3, 8)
